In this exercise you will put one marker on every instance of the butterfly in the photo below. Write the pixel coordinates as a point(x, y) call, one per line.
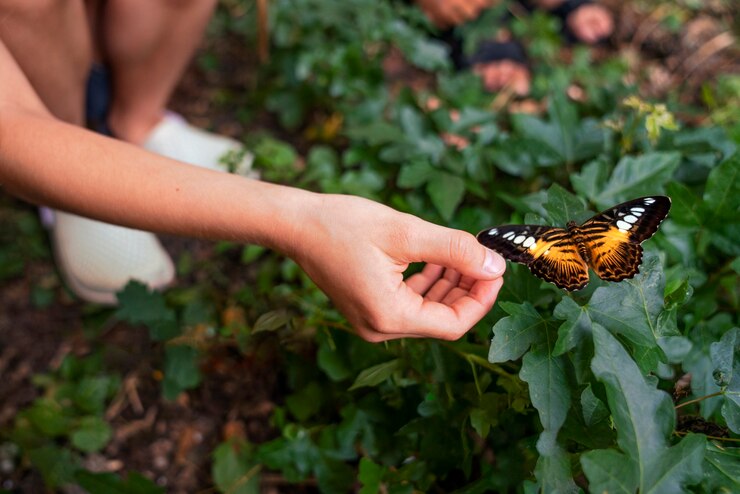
point(609, 243)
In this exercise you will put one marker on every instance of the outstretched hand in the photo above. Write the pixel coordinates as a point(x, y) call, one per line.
point(357, 251)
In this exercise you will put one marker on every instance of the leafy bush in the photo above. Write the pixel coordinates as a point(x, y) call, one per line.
point(621, 387)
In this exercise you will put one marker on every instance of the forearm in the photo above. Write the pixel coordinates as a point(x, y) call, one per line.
point(48, 162)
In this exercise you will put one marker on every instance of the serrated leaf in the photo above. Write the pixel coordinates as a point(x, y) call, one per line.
point(678, 466)
point(138, 305)
point(446, 192)
point(372, 376)
point(513, 335)
point(638, 176)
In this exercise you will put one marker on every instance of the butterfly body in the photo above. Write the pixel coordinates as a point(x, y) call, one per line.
point(608, 243)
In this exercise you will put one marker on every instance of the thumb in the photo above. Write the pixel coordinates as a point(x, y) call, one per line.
point(455, 249)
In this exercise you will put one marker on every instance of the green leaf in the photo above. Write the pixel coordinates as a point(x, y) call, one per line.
point(722, 192)
point(686, 207)
point(234, 469)
point(91, 392)
point(446, 192)
point(548, 388)
point(49, 417)
point(638, 176)
point(57, 465)
point(644, 418)
point(138, 305)
point(372, 376)
point(109, 483)
point(562, 206)
point(632, 307)
point(370, 476)
point(271, 321)
point(725, 355)
point(513, 335)
point(592, 178)
point(91, 434)
point(721, 469)
point(553, 472)
point(415, 174)
point(180, 370)
point(609, 471)
point(305, 402)
point(576, 327)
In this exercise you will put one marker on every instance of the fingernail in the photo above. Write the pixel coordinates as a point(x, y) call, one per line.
point(494, 263)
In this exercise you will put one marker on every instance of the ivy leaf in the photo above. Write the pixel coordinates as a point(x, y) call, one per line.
point(372, 376)
point(271, 321)
point(548, 388)
point(550, 395)
point(562, 206)
point(638, 176)
point(577, 325)
point(415, 174)
point(513, 335)
point(644, 418)
point(631, 307)
point(446, 192)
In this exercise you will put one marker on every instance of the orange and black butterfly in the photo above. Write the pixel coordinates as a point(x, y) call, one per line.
point(609, 243)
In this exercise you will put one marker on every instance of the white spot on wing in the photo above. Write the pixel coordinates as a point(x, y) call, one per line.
point(623, 225)
point(649, 200)
point(518, 240)
point(637, 209)
point(631, 219)
point(493, 231)
point(508, 235)
point(527, 243)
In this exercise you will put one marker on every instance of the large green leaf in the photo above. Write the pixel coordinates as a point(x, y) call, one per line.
point(446, 192)
point(234, 469)
point(512, 335)
point(643, 417)
point(638, 176)
point(725, 355)
point(562, 206)
point(722, 193)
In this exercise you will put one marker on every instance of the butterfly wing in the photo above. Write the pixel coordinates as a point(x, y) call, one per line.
point(612, 238)
point(550, 253)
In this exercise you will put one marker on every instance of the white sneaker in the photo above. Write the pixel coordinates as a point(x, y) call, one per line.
point(98, 259)
point(175, 138)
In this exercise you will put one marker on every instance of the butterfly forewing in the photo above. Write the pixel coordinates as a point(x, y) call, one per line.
point(609, 243)
point(612, 238)
point(550, 253)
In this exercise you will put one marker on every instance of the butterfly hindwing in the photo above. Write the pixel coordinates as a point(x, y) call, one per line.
point(612, 238)
point(550, 253)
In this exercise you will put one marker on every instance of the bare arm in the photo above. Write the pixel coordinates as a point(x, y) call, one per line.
point(355, 250)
